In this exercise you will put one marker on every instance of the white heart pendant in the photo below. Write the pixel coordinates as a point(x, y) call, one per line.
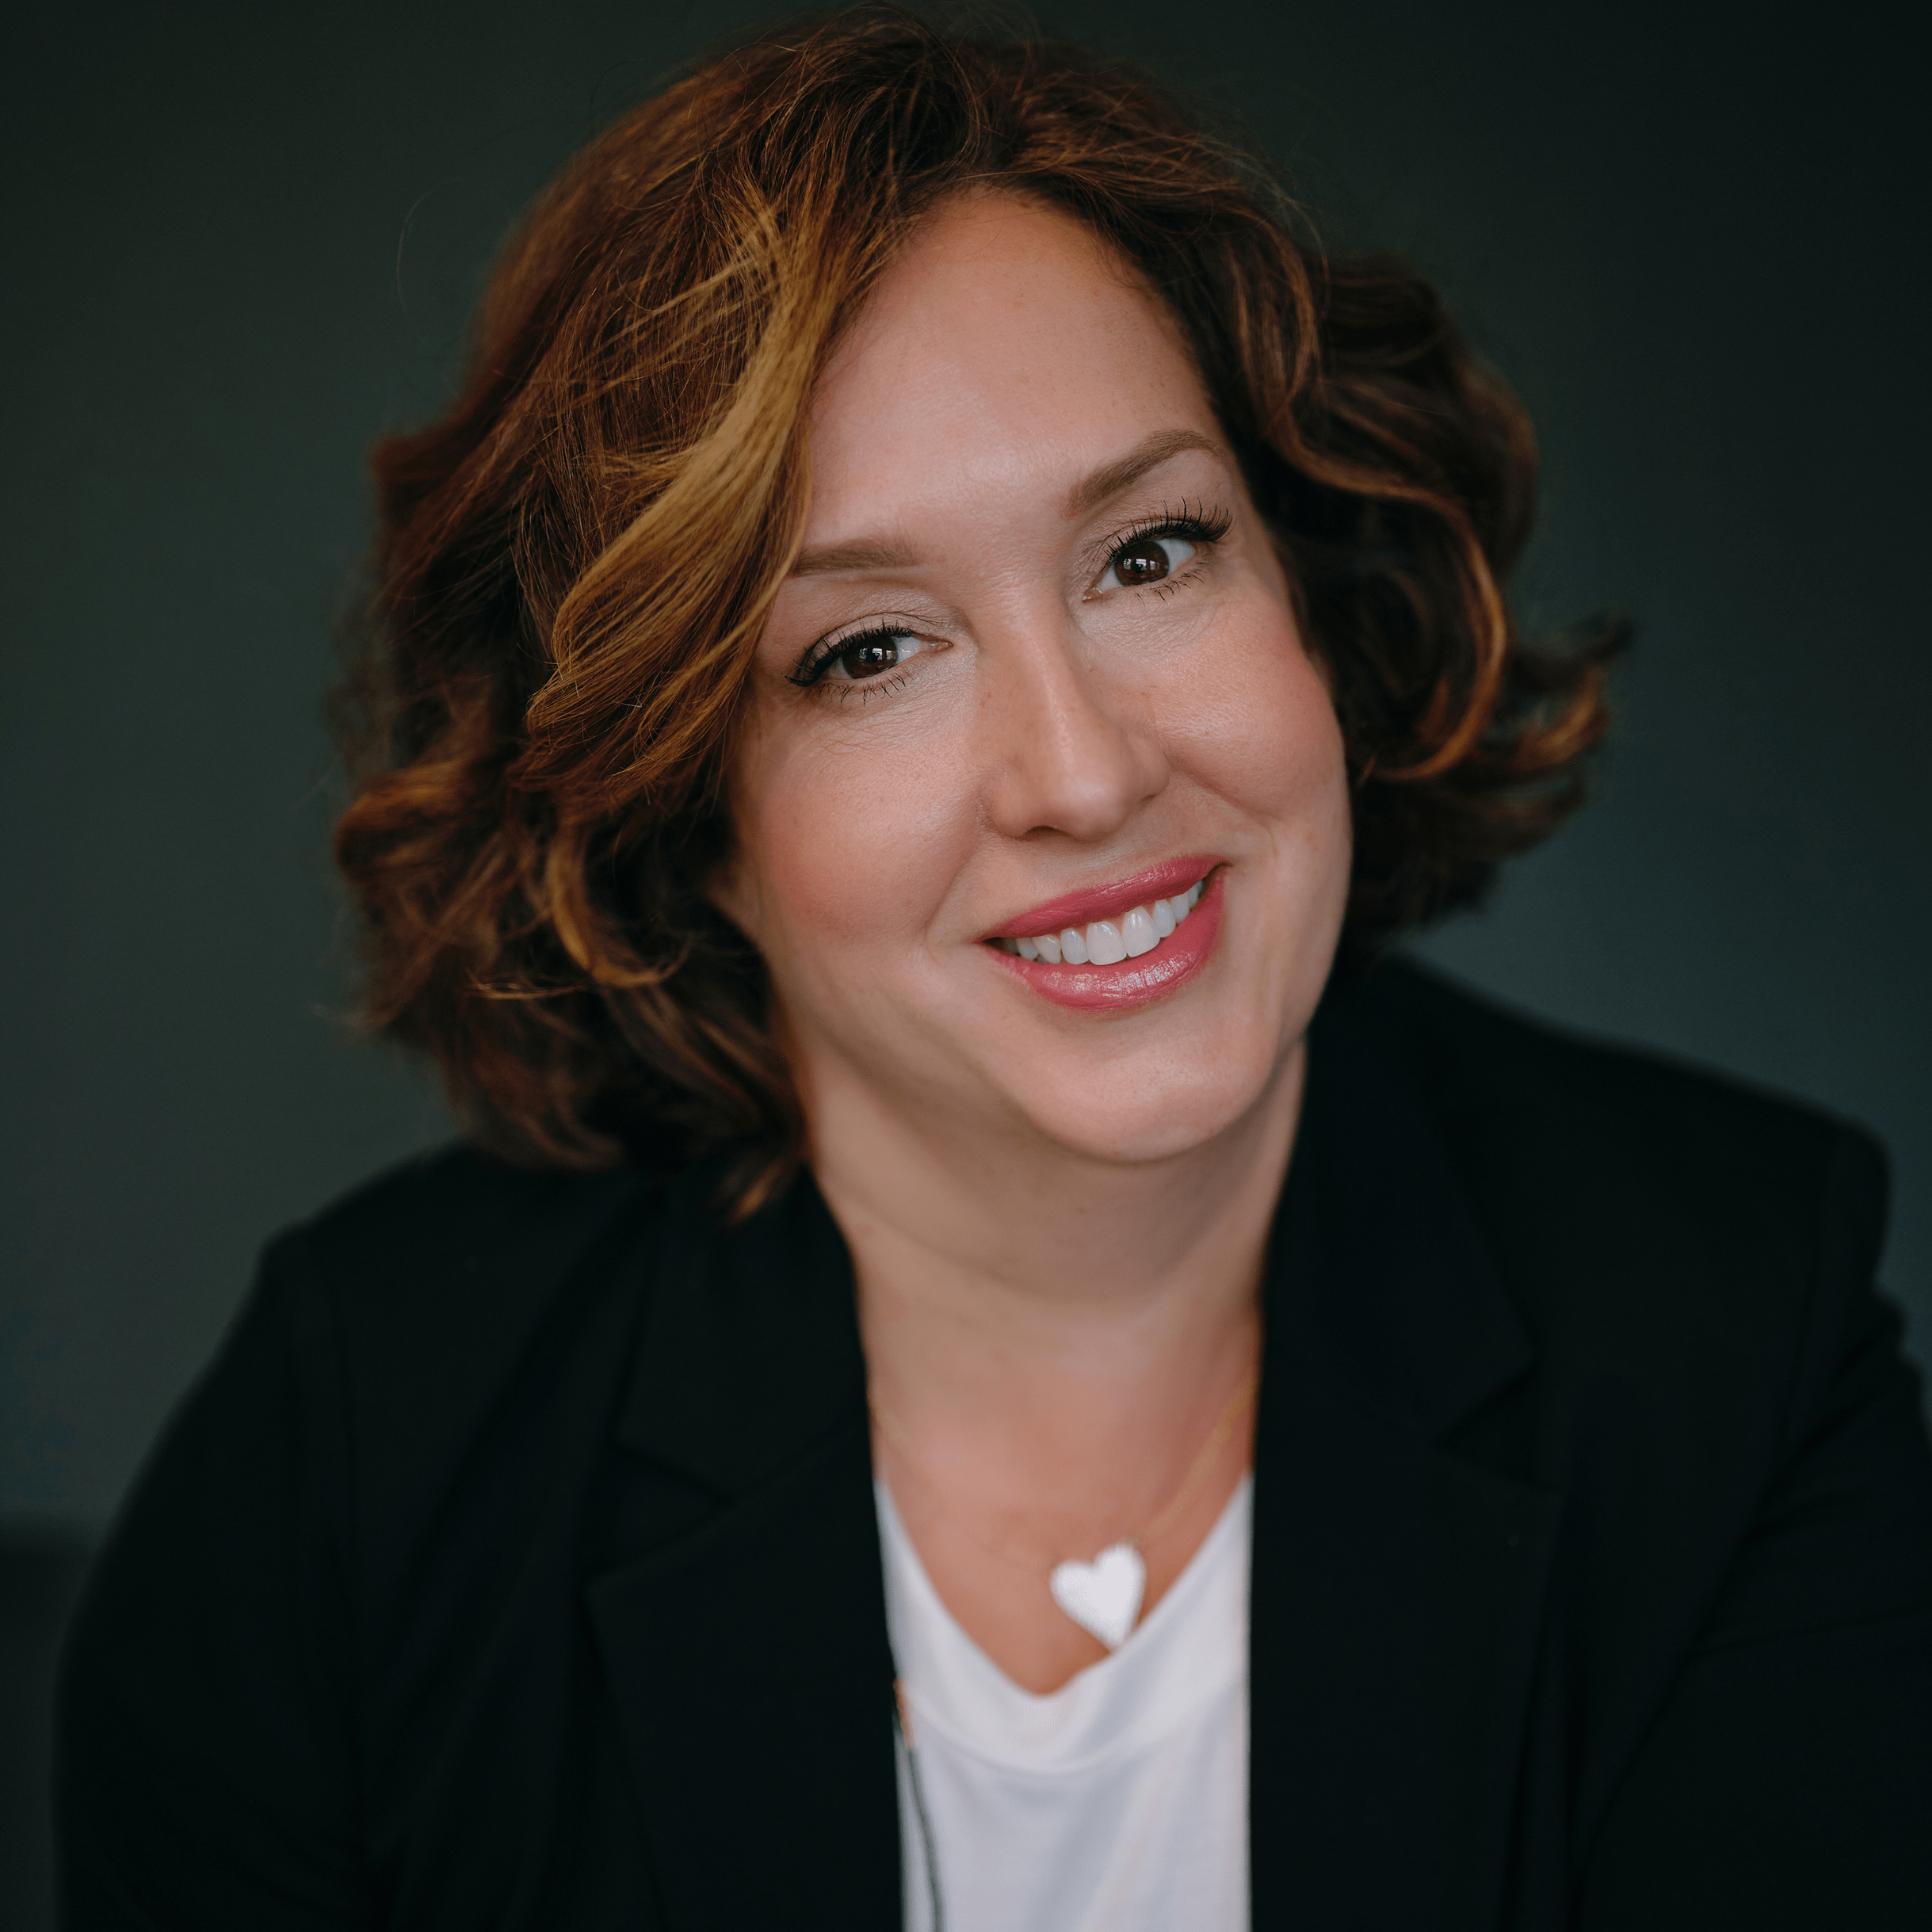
point(1103, 1596)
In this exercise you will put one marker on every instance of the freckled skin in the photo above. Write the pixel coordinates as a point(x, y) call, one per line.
point(1048, 736)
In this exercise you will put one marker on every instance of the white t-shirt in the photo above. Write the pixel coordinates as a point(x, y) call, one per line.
point(1115, 1803)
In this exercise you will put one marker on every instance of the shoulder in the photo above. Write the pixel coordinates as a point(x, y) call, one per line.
point(1553, 1101)
point(452, 1255)
point(1644, 1215)
point(450, 1297)
point(448, 1211)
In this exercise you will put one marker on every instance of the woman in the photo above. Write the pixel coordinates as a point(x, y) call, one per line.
point(986, 1364)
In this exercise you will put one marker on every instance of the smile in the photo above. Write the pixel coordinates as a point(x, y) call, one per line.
point(1106, 942)
point(1123, 961)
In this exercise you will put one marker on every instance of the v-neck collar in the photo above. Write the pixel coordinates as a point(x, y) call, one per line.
point(1114, 1706)
point(1397, 1590)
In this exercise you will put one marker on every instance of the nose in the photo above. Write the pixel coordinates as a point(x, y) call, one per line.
point(1068, 749)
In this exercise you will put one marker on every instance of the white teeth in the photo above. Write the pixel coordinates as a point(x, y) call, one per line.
point(1105, 943)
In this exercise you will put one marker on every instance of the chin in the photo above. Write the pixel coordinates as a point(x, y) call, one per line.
point(1135, 1114)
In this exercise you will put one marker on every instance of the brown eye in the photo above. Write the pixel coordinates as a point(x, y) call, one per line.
point(870, 655)
point(866, 655)
point(1142, 561)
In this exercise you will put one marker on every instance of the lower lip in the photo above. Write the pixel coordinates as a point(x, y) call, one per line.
point(1131, 983)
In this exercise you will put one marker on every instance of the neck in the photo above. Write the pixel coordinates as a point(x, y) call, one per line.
point(1020, 1300)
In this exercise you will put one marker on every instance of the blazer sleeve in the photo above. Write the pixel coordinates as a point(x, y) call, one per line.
point(206, 1766)
point(1786, 1785)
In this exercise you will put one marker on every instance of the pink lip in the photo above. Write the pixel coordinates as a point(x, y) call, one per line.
point(1107, 902)
point(1132, 983)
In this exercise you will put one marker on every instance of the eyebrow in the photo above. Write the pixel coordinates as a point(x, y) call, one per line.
point(1085, 496)
point(1088, 494)
point(833, 558)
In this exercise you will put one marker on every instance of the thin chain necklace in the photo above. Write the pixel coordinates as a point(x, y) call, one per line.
point(1104, 1596)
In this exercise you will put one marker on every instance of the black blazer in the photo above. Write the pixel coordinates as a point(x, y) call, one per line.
point(515, 1566)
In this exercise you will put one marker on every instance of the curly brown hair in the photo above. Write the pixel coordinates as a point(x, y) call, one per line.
point(543, 712)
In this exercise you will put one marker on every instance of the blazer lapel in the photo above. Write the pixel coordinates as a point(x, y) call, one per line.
point(1397, 1590)
point(748, 1659)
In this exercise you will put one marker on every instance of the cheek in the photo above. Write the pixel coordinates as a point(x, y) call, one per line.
point(847, 843)
point(1262, 732)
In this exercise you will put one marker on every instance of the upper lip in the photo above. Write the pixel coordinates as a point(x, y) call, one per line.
point(1105, 902)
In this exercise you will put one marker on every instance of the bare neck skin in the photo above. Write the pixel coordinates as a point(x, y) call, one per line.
point(1051, 1338)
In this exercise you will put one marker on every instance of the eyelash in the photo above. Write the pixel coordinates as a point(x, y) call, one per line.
point(813, 667)
point(1202, 527)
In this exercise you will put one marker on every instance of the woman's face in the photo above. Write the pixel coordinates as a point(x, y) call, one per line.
point(1037, 671)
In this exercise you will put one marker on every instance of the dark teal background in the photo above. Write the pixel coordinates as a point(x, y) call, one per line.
point(240, 243)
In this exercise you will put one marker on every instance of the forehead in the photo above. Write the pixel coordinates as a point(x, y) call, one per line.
point(1008, 344)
